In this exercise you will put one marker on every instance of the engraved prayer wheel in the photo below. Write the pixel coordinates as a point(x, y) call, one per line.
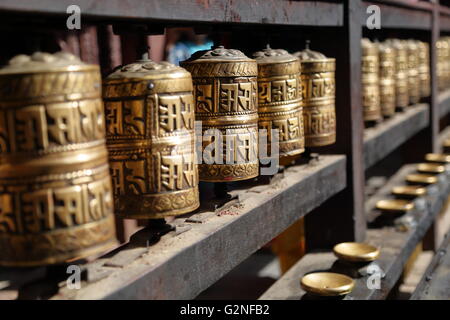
point(401, 73)
point(56, 196)
point(370, 81)
point(387, 79)
point(225, 94)
point(441, 68)
point(280, 100)
point(424, 69)
point(413, 71)
point(150, 136)
point(319, 97)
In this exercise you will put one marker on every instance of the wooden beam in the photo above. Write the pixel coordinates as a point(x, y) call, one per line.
point(381, 140)
point(206, 245)
point(309, 13)
point(397, 242)
point(435, 283)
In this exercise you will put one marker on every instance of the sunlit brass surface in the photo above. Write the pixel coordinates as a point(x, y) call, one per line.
point(439, 158)
point(409, 191)
point(395, 205)
point(319, 97)
point(56, 196)
point(387, 79)
point(424, 69)
point(421, 178)
point(280, 100)
point(226, 98)
point(430, 168)
point(327, 284)
point(401, 73)
point(443, 63)
point(356, 252)
point(150, 136)
point(413, 71)
point(370, 81)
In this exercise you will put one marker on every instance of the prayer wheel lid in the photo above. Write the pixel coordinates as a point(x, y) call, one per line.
point(369, 47)
point(411, 44)
point(269, 55)
point(397, 44)
point(148, 69)
point(44, 62)
point(385, 48)
point(309, 55)
point(218, 54)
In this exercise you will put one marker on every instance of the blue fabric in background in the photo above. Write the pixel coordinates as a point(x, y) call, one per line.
point(183, 50)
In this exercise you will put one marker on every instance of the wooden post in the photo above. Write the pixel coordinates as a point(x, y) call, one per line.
point(342, 218)
point(429, 241)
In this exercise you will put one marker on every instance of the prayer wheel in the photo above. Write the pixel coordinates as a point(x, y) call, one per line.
point(319, 97)
point(56, 196)
point(387, 80)
point(226, 104)
point(413, 71)
point(370, 81)
point(401, 73)
point(150, 137)
point(280, 100)
point(424, 69)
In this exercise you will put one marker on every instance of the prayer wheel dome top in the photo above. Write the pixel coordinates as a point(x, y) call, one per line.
point(269, 55)
point(218, 54)
point(44, 62)
point(147, 68)
point(397, 44)
point(369, 47)
point(307, 55)
point(386, 49)
point(220, 62)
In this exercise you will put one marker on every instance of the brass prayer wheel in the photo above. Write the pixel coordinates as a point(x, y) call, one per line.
point(424, 69)
point(401, 73)
point(370, 81)
point(56, 196)
point(387, 79)
point(443, 63)
point(413, 71)
point(280, 100)
point(226, 103)
point(319, 97)
point(150, 137)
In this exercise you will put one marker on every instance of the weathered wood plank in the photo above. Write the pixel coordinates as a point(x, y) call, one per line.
point(182, 264)
point(381, 140)
point(396, 241)
point(308, 13)
point(398, 16)
point(444, 103)
point(435, 283)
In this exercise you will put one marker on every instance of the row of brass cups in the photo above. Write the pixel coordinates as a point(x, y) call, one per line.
point(70, 159)
point(427, 174)
point(443, 63)
point(395, 74)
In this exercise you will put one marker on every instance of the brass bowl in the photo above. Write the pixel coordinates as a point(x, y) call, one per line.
point(327, 284)
point(435, 168)
point(395, 205)
point(421, 178)
point(356, 252)
point(409, 191)
point(439, 158)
